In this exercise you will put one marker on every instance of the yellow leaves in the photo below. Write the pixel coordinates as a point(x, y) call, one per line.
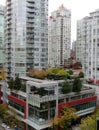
point(65, 120)
point(61, 72)
point(49, 71)
point(54, 122)
point(87, 123)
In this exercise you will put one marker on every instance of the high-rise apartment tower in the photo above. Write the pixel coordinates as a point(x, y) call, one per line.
point(1, 35)
point(87, 47)
point(59, 42)
point(26, 36)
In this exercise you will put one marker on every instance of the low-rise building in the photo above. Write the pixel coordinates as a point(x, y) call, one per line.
point(43, 100)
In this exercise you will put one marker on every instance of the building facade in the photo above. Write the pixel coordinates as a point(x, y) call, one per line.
point(87, 49)
point(59, 39)
point(1, 35)
point(26, 36)
point(37, 109)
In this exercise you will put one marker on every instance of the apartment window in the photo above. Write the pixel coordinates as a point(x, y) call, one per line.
point(16, 106)
point(36, 49)
point(60, 100)
point(93, 40)
point(98, 31)
point(36, 64)
point(94, 31)
point(98, 40)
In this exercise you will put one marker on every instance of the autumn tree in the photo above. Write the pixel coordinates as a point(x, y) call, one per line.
point(12, 119)
point(32, 72)
point(40, 74)
point(65, 119)
point(11, 83)
point(88, 123)
point(3, 109)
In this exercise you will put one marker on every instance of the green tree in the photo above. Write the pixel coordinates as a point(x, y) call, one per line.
point(77, 85)
point(11, 83)
point(66, 87)
point(81, 75)
point(23, 87)
point(17, 83)
point(70, 72)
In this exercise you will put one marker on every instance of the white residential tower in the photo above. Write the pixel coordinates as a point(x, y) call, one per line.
point(59, 42)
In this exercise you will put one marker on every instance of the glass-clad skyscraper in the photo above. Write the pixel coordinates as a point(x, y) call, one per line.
point(26, 36)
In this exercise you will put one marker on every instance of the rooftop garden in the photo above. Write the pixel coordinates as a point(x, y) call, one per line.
point(50, 74)
point(54, 74)
point(66, 87)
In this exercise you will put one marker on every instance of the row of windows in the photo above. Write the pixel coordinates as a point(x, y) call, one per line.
point(85, 105)
point(16, 106)
point(75, 97)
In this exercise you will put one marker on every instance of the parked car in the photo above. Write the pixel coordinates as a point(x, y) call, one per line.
point(8, 128)
point(3, 125)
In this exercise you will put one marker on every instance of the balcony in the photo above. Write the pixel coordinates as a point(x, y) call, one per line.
point(30, 21)
point(36, 99)
point(8, 2)
point(30, 15)
point(30, 10)
point(30, 26)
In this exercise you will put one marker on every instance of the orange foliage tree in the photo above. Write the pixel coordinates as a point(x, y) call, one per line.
point(37, 73)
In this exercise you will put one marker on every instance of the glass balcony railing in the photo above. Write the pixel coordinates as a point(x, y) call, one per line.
point(39, 121)
point(35, 100)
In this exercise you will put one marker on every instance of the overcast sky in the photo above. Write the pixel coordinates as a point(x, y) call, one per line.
point(79, 9)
